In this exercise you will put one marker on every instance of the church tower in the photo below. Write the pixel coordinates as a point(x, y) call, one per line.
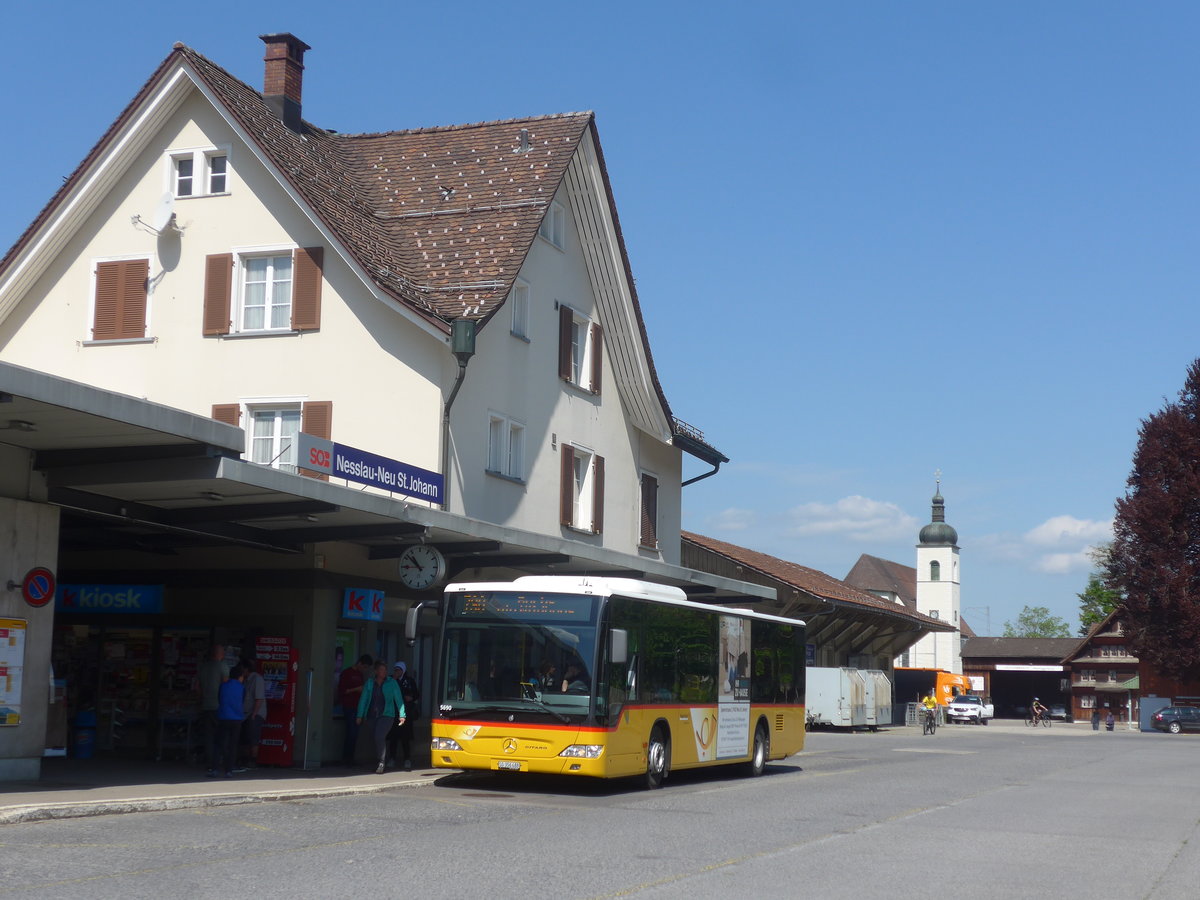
point(938, 591)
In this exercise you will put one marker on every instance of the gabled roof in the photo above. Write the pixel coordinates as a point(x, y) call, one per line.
point(870, 573)
point(811, 581)
point(439, 220)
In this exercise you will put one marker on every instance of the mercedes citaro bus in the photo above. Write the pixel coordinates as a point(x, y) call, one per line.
point(610, 678)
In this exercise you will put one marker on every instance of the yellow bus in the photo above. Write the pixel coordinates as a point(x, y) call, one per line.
point(611, 678)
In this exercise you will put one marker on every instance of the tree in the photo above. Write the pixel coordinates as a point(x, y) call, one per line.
point(1098, 599)
point(1036, 621)
point(1155, 558)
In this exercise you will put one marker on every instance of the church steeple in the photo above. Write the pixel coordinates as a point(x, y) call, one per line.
point(937, 531)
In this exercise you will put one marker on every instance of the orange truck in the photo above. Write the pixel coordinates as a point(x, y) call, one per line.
point(911, 685)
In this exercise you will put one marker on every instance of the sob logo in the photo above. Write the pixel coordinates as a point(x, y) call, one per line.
point(110, 598)
point(319, 458)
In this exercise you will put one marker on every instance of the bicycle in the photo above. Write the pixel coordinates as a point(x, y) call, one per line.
point(929, 722)
point(1033, 719)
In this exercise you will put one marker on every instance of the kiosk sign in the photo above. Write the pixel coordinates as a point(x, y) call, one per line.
point(352, 464)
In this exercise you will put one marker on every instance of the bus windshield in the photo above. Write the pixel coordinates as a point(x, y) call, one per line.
point(522, 652)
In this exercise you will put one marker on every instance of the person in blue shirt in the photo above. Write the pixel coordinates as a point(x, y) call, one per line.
point(382, 706)
point(230, 699)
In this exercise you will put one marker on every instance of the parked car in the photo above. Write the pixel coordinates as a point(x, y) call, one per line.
point(1059, 712)
point(1176, 719)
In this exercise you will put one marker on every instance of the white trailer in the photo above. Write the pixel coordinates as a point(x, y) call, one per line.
point(838, 697)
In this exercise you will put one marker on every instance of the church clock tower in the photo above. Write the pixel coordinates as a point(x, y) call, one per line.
point(938, 591)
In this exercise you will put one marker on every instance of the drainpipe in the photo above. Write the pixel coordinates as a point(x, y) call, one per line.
point(462, 345)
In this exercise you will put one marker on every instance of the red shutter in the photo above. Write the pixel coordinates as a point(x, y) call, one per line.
point(229, 413)
point(218, 288)
point(565, 322)
point(597, 494)
point(649, 529)
point(316, 418)
point(306, 288)
point(120, 307)
point(566, 491)
point(597, 350)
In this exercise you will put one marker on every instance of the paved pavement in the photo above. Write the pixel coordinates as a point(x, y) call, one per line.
point(71, 787)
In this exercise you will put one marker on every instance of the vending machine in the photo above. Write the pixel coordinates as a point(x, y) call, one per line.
point(279, 665)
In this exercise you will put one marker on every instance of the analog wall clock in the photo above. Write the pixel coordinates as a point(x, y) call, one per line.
point(422, 566)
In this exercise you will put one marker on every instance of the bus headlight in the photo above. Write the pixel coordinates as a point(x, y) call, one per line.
point(584, 751)
point(444, 744)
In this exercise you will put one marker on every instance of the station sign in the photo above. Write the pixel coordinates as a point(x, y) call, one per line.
point(339, 461)
point(109, 598)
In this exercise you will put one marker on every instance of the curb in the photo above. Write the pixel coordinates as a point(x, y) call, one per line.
point(40, 812)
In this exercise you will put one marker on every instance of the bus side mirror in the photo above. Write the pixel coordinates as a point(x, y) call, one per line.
point(410, 624)
point(618, 645)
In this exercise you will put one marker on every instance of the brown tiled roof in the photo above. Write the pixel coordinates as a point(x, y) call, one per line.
point(870, 573)
point(439, 217)
point(811, 581)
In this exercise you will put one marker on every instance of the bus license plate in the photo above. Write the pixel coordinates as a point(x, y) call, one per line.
point(508, 764)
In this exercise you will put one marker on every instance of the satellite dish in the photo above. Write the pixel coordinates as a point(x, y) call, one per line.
point(164, 213)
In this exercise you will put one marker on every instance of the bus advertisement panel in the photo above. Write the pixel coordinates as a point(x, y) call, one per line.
point(612, 678)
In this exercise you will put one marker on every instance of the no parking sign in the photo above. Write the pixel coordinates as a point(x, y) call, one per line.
point(38, 586)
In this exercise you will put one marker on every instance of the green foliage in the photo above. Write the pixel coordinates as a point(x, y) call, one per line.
point(1096, 602)
point(1036, 621)
point(1155, 557)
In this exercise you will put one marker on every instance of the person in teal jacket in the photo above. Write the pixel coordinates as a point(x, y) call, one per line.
point(383, 706)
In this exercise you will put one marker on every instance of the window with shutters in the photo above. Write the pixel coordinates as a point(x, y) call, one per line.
point(518, 301)
point(199, 171)
point(263, 291)
point(121, 300)
point(266, 293)
point(648, 530)
point(554, 225)
point(506, 447)
point(580, 349)
point(581, 500)
point(272, 425)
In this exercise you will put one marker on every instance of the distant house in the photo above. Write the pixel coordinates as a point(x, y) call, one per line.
point(1012, 671)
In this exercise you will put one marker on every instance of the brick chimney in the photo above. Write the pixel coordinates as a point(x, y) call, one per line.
point(283, 76)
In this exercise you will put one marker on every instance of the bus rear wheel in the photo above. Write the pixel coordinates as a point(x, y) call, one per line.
point(762, 750)
point(658, 752)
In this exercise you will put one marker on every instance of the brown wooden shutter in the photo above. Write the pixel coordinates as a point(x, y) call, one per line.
point(597, 493)
point(565, 321)
point(316, 418)
point(306, 288)
point(566, 491)
point(597, 356)
point(218, 289)
point(229, 413)
point(120, 307)
point(649, 529)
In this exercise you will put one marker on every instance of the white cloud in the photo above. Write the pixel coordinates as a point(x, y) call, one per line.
point(858, 518)
point(733, 519)
point(1063, 563)
point(1068, 531)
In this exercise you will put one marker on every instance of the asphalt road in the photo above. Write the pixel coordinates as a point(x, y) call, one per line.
point(996, 812)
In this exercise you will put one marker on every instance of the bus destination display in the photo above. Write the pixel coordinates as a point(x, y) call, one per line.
point(526, 607)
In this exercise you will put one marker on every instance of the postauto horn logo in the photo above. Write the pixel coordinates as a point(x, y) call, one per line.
point(109, 598)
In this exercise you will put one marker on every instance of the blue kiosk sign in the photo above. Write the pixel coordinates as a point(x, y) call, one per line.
point(340, 461)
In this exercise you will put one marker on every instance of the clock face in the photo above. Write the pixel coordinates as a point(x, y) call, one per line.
point(421, 566)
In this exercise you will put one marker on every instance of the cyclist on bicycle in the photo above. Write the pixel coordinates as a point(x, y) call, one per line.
point(1037, 710)
point(929, 704)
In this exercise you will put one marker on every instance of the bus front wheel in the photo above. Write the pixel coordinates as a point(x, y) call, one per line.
point(658, 752)
point(762, 750)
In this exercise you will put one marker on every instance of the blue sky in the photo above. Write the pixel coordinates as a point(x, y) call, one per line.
point(872, 240)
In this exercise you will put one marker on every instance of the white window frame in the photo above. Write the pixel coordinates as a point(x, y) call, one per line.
point(582, 347)
point(90, 325)
point(278, 405)
point(506, 447)
point(518, 299)
point(202, 173)
point(583, 488)
point(553, 228)
point(241, 258)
